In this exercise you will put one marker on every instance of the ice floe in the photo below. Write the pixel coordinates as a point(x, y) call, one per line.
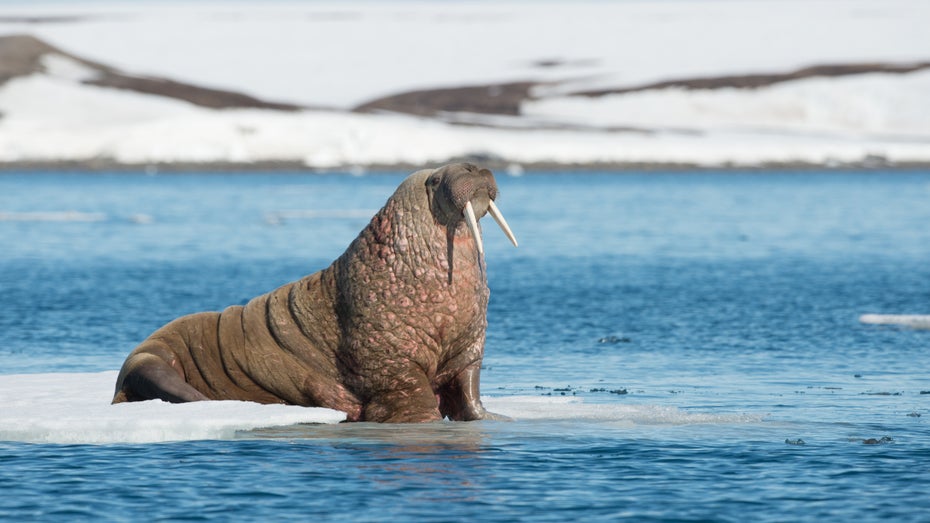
point(74, 408)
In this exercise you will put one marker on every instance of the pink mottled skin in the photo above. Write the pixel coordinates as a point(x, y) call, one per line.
point(392, 331)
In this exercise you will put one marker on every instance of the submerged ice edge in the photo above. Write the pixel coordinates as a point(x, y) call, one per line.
point(525, 408)
point(74, 408)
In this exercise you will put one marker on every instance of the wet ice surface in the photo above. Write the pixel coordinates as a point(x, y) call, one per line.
point(671, 347)
point(75, 408)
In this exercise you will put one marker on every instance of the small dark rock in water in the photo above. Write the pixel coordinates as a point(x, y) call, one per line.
point(880, 393)
point(880, 441)
point(857, 375)
point(798, 441)
point(619, 391)
point(925, 392)
point(614, 339)
point(598, 390)
point(913, 414)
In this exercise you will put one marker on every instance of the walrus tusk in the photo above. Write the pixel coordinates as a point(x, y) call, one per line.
point(473, 226)
point(499, 218)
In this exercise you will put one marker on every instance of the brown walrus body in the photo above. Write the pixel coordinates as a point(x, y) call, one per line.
point(393, 330)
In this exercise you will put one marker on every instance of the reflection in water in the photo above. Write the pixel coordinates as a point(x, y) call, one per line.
point(406, 436)
point(433, 462)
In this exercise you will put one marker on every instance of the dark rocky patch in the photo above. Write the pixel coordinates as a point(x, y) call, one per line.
point(552, 63)
point(40, 19)
point(202, 96)
point(546, 63)
point(502, 99)
point(614, 339)
point(506, 98)
point(21, 55)
point(879, 441)
point(106, 164)
point(755, 81)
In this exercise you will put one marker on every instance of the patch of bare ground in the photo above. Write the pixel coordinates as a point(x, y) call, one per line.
point(502, 99)
point(41, 19)
point(494, 163)
point(202, 96)
point(755, 81)
point(21, 55)
point(506, 98)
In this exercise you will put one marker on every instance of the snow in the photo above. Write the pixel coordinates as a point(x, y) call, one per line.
point(880, 105)
point(74, 408)
point(340, 54)
point(47, 119)
point(345, 53)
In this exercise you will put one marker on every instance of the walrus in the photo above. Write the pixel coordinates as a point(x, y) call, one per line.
point(392, 331)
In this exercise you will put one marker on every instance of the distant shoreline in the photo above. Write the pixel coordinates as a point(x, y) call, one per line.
point(503, 167)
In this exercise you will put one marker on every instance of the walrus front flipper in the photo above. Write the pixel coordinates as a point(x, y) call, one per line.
point(460, 400)
point(145, 376)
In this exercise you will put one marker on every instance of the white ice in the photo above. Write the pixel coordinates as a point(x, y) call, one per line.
point(74, 408)
point(914, 321)
point(559, 408)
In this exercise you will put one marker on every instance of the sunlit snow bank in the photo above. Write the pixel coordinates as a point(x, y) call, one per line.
point(75, 408)
point(341, 54)
point(344, 53)
point(48, 119)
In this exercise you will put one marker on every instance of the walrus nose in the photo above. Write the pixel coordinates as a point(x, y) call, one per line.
point(472, 223)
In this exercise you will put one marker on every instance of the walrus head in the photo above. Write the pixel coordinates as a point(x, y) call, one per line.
point(462, 191)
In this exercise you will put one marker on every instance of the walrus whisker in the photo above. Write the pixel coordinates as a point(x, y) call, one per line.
point(473, 226)
point(499, 218)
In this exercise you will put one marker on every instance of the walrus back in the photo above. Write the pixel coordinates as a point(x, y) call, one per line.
point(278, 348)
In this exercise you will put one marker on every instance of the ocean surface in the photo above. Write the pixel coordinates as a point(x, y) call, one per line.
point(671, 346)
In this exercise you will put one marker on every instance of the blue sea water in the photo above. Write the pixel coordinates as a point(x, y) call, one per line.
point(731, 295)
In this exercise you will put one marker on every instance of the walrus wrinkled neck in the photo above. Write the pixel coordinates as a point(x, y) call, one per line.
point(459, 239)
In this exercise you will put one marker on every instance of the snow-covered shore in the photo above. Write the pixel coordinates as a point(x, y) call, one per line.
point(331, 57)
